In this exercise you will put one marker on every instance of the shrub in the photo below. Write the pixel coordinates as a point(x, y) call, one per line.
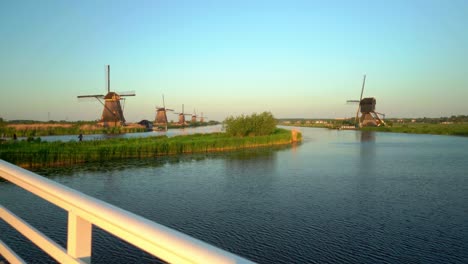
point(253, 125)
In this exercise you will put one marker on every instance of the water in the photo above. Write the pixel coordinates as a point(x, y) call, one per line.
point(169, 133)
point(339, 197)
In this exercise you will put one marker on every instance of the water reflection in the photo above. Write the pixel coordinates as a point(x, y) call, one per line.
point(246, 162)
point(367, 152)
point(248, 156)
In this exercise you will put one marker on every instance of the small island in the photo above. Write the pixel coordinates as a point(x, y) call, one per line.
point(246, 131)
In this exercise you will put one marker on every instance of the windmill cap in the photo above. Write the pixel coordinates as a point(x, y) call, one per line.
point(111, 95)
point(368, 100)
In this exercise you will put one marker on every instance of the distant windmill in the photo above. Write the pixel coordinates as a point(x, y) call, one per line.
point(182, 116)
point(369, 117)
point(161, 116)
point(194, 117)
point(112, 115)
point(202, 118)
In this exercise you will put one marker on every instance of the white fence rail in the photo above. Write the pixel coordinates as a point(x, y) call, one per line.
point(85, 211)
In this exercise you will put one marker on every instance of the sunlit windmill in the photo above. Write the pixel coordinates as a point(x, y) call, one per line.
point(112, 115)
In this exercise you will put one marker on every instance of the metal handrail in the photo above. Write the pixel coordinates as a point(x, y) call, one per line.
point(84, 211)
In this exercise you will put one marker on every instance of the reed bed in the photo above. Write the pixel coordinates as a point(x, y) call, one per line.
point(43, 154)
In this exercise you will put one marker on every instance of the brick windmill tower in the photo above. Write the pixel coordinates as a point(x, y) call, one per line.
point(112, 115)
point(369, 117)
point(161, 116)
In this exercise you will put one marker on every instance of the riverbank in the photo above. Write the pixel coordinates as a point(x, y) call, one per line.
point(44, 154)
point(451, 129)
point(460, 129)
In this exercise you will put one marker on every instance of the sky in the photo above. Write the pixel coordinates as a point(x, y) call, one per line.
point(296, 59)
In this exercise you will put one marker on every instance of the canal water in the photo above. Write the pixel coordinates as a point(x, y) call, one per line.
point(339, 197)
point(169, 133)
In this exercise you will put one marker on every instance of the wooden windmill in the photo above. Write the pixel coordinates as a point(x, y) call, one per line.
point(112, 115)
point(182, 116)
point(161, 116)
point(369, 117)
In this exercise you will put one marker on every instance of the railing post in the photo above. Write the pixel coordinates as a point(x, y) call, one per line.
point(79, 237)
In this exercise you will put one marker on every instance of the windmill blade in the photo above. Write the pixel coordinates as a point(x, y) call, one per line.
point(352, 101)
point(363, 84)
point(359, 105)
point(91, 95)
point(127, 93)
point(167, 109)
point(108, 78)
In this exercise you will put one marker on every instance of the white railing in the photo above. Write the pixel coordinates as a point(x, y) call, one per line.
point(85, 211)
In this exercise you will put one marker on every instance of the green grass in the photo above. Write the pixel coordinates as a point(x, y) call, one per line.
point(40, 154)
point(73, 130)
point(460, 129)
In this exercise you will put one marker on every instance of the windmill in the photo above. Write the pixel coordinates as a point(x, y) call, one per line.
point(112, 115)
point(202, 118)
point(161, 116)
point(369, 117)
point(194, 117)
point(182, 116)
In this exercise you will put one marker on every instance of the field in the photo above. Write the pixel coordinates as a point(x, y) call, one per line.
point(455, 129)
point(40, 154)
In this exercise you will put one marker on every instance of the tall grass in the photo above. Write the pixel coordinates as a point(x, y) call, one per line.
point(460, 129)
point(38, 154)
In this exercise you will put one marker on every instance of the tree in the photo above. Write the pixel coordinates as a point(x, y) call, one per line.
point(253, 125)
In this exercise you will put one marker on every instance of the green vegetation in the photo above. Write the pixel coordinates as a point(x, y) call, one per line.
point(41, 154)
point(460, 129)
point(36, 129)
point(318, 123)
point(253, 125)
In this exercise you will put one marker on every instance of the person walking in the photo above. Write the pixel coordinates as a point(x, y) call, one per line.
point(80, 137)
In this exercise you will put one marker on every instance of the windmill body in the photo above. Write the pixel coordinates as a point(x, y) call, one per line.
point(112, 114)
point(161, 116)
point(368, 115)
point(112, 111)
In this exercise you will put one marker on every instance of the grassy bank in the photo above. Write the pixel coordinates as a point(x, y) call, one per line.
point(39, 154)
point(460, 129)
point(52, 129)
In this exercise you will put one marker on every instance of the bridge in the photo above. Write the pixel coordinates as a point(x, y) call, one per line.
point(84, 212)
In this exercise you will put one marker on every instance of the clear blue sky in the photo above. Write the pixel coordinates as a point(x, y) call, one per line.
point(293, 58)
